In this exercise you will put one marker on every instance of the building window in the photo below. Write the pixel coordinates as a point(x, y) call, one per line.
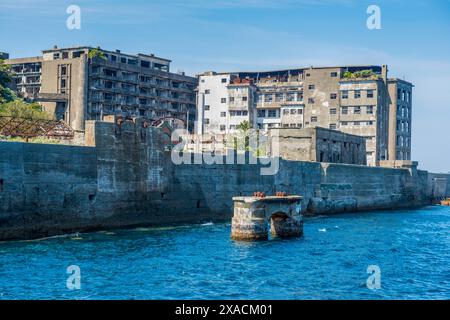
point(232, 127)
point(207, 91)
point(56, 56)
point(224, 80)
point(308, 74)
point(333, 111)
point(206, 121)
point(285, 111)
point(145, 64)
point(63, 70)
point(369, 123)
point(65, 55)
point(357, 110)
point(231, 100)
point(311, 100)
point(223, 114)
point(311, 87)
point(345, 94)
point(293, 111)
point(290, 97)
point(333, 126)
point(207, 108)
point(334, 74)
point(244, 99)
point(223, 100)
point(77, 54)
point(356, 123)
point(344, 110)
point(369, 109)
point(272, 114)
point(268, 98)
point(313, 119)
point(344, 123)
point(261, 113)
point(245, 113)
point(222, 127)
point(370, 94)
point(333, 96)
point(357, 94)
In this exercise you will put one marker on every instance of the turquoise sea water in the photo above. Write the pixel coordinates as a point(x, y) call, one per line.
point(411, 247)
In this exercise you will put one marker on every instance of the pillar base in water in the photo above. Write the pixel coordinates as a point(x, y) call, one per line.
point(252, 216)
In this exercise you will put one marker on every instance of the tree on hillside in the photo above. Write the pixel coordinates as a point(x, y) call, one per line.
point(20, 109)
point(11, 105)
point(6, 94)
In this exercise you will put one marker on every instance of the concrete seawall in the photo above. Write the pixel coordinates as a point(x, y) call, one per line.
point(124, 178)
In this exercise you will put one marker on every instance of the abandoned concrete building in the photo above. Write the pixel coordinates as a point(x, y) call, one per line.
point(4, 55)
point(27, 76)
point(85, 83)
point(319, 145)
point(359, 100)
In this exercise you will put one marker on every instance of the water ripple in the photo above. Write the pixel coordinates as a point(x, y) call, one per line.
point(201, 262)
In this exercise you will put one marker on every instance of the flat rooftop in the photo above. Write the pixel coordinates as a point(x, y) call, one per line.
point(106, 51)
point(295, 70)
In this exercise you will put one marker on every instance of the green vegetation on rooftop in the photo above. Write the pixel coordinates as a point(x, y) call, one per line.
point(363, 74)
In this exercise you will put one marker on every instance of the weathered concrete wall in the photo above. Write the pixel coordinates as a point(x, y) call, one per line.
point(319, 144)
point(439, 185)
point(45, 189)
point(128, 180)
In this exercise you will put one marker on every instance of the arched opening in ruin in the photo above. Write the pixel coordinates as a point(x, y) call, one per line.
point(283, 226)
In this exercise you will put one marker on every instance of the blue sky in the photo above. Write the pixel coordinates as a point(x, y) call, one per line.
point(232, 35)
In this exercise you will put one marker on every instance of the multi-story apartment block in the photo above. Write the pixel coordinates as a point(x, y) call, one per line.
point(85, 83)
point(357, 100)
point(27, 77)
point(400, 119)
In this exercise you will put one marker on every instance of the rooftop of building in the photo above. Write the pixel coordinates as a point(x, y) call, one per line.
point(24, 60)
point(294, 70)
point(56, 49)
point(289, 131)
point(400, 80)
